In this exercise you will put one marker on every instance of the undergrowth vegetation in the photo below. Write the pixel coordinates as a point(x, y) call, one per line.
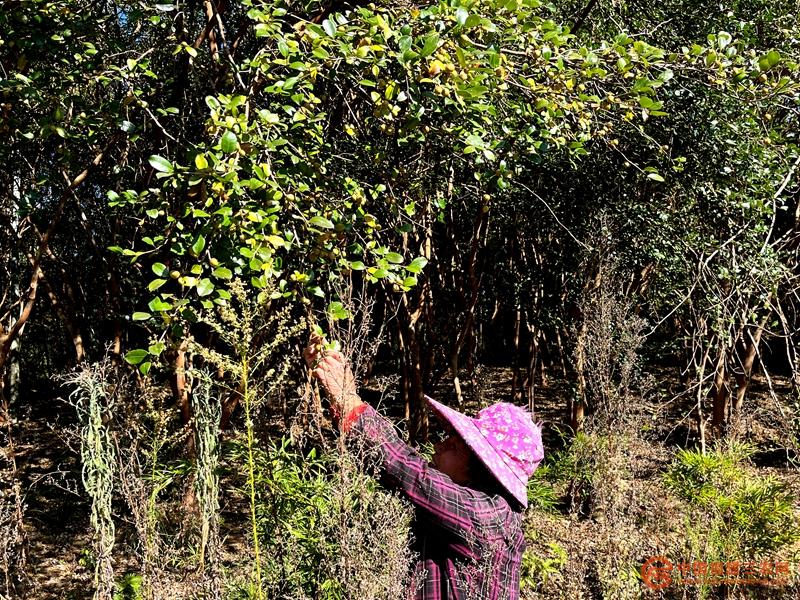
point(738, 513)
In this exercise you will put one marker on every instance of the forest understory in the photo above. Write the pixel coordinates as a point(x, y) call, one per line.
point(587, 537)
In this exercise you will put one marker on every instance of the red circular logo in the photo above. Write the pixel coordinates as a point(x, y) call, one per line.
point(656, 572)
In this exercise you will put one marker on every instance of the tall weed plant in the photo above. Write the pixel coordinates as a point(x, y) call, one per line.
point(207, 413)
point(94, 405)
point(252, 331)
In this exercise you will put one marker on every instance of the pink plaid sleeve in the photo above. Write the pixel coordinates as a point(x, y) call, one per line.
point(469, 514)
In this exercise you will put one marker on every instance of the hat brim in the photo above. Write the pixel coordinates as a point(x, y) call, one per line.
point(477, 442)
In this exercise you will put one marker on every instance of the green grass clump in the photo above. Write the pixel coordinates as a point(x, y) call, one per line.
point(542, 497)
point(747, 515)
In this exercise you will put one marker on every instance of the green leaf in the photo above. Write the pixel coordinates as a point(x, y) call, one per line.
point(655, 177)
point(144, 368)
point(229, 142)
point(417, 264)
point(204, 287)
point(329, 27)
point(394, 257)
point(155, 284)
point(134, 357)
point(200, 162)
point(430, 45)
point(283, 47)
point(158, 305)
point(461, 15)
point(472, 21)
point(161, 164)
point(223, 273)
point(160, 269)
point(409, 281)
point(141, 316)
point(475, 140)
point(337, 311)
point(321, 222)
point(198, 245)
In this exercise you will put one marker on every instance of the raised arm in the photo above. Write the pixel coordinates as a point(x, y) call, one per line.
point(455, 508)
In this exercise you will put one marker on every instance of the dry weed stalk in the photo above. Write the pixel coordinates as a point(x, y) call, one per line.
point(207, 414)
point(145, 436)
point(369, 526)
point(613, 337)
point(12, 539)
point(94, 399)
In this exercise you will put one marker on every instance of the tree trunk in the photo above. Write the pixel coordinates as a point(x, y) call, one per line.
point(699, 411)
point(181, 391)
point(579, 405)
point(7, 336)
point(473, 280)
point(69, 319)
point(516, 383)
point(720, 393)
point(533, 354)
point(750, 352)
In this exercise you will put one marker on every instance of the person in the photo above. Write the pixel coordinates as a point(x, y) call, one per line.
point(467, 531)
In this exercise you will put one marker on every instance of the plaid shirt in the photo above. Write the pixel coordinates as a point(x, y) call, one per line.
point(469, 543)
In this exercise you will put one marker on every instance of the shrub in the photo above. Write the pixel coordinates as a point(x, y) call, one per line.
point(750, 515)
point(536, 570)
point(326, 529)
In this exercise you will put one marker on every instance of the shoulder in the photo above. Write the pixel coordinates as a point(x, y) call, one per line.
point(495, 517)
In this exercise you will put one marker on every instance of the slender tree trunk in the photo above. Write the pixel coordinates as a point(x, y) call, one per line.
point(473, 280)
point(533, 357)
point(516, 378)
point(7, 336)
point(405, 383)
point(720, 393)
point(582, 17)
point(699, 411)
point(750, 352)
point(418, 424)
point(578, 405)
point(69, 320)
point(181, 391)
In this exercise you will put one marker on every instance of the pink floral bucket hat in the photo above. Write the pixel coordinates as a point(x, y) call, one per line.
point(504, 437)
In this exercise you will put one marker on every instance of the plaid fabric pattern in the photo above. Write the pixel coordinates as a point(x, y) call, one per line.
point(469, 543)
